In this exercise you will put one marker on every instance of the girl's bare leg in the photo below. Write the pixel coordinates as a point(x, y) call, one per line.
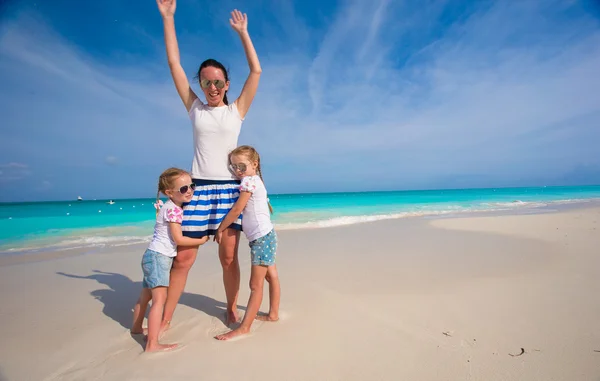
point(274, 295)
point(182, 263)
point(257, 279)
point(139, 311)
point(228, 255)
point(159, 297)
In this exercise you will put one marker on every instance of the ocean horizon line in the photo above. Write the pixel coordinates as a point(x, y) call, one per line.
point(323, 193)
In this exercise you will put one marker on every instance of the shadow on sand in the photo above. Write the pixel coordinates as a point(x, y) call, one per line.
point(122, 294)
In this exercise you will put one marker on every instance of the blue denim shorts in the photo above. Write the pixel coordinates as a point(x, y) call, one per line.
point(156, 268)
point(264, 249)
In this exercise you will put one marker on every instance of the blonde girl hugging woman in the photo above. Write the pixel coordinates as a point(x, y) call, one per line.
point(177, 185)
point(257, 226)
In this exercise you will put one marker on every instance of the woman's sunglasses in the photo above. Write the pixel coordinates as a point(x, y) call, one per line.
point(184, 189)
point(238, 167)
point(205, 83)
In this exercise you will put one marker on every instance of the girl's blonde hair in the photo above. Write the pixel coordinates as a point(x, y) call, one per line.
point(166, 181)
point(252, 155)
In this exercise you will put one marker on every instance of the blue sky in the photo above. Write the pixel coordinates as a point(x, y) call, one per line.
point(355, 95)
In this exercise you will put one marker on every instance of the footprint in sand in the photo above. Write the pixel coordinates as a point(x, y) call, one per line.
point(218, 326)
point(115, 355)
point(283, 316)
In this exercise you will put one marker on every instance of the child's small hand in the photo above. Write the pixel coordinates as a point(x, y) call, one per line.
point(203, 240)
point(218, 236)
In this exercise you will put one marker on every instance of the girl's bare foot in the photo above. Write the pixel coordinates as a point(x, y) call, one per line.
point(161, 347)
point(232, 317)
point(164, 327)
point(270, 318)
point(231, 334)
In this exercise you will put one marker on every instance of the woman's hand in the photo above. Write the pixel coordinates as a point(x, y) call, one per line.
point(166, 7)
point(218, 237)
point(238, 21)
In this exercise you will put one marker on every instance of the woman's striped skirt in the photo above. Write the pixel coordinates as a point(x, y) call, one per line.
point(211, 202)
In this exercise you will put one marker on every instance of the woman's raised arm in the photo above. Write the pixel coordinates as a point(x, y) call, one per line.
point(239, 22)
point(167, 11)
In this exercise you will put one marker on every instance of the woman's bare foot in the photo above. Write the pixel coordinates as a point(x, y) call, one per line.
point(231, 334)
point(161, 347)
point(232, 317)
point(271, 318)
point(139, 331)
point(144, 331)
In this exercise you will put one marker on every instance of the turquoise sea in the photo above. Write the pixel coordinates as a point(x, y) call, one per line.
point(42, 226)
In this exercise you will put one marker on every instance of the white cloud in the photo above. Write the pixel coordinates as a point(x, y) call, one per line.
point(474, 99)
point(46, 185)
point(507, 90)
point(82, 107)
point(19, 166)
point(111, 160)
point(14, 171)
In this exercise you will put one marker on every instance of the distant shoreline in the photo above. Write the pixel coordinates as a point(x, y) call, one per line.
point(42, 254)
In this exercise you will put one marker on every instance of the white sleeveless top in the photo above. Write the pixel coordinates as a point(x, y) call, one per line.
point(216, 132)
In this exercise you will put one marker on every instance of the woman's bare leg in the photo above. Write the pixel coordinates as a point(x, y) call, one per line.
point(182, 263)
point(228, 255)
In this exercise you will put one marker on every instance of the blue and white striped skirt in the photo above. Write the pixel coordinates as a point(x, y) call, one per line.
point(211, 202)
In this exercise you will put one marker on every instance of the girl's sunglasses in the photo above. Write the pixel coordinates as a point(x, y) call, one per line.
point(238, 167)
point(184, 189)
point(205, 83)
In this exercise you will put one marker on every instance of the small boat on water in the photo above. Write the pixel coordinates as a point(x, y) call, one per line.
point(79, 198)
point(110, 202)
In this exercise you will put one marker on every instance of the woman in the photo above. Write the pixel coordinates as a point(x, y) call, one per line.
point(216, 129)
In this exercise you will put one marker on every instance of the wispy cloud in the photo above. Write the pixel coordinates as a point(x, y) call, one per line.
point(476, 97)
point(344, 45)
point(13, 171)
point(377, 92)
point(69, 112)
point(45, 186)
point(111, 160)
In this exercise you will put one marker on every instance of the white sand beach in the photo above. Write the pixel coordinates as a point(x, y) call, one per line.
point(408, 299)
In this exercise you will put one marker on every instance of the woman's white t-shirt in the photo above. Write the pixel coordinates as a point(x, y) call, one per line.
point(216, 132)
point(162, 240)
point(256, 218)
